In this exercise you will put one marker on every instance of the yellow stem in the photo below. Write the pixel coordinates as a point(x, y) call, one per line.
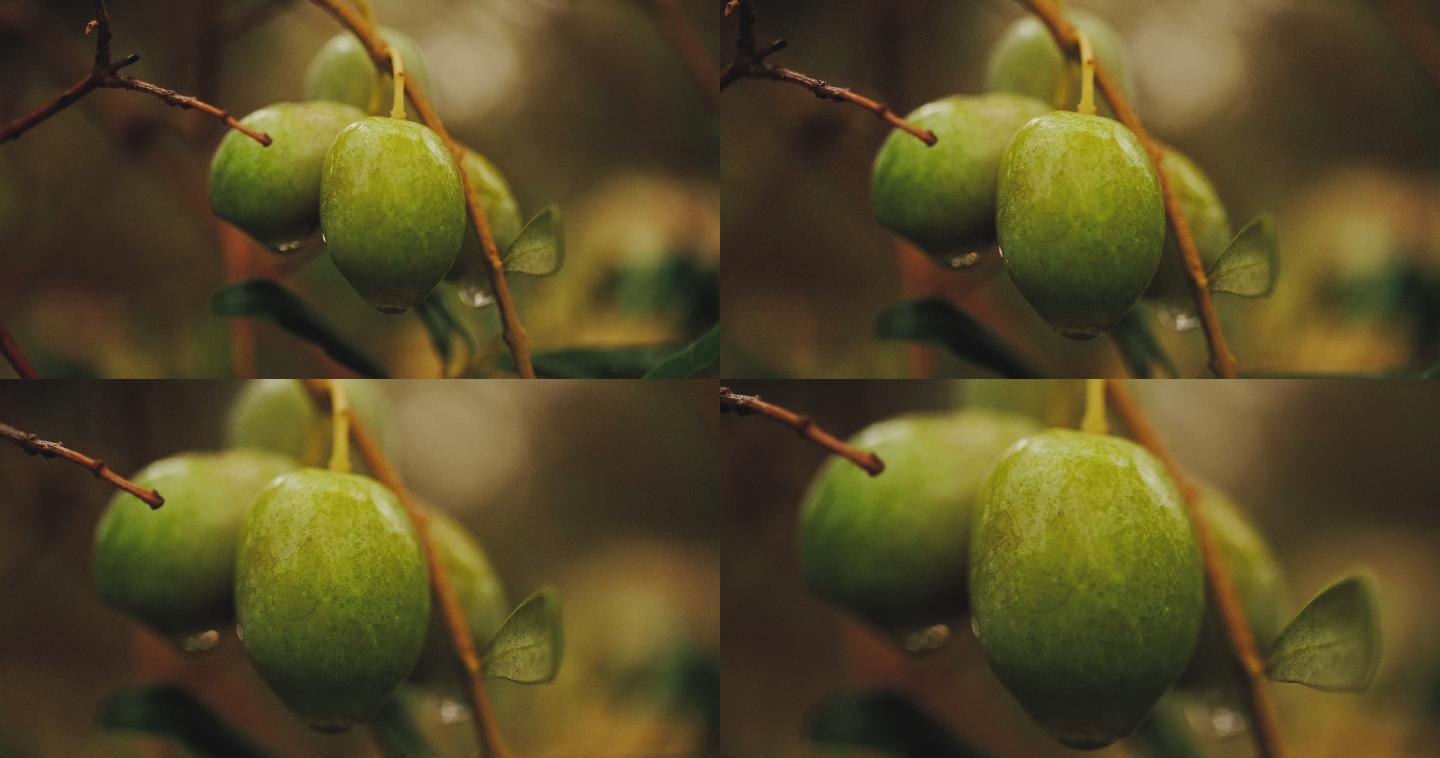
point(339, 428)
point(397, 73)
point(1087, 76)
point(1094, 420)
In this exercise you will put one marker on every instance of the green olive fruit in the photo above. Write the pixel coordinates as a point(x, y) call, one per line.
point(1080, 219)
point(501, 211)
point(279, 415)
point(1025, 60)
point(332, 594)
point(481, 596)
point(174, 568)
point(942, 198)
point(893, 548)
point(1209, 224)
point(392, 210)
point(342, 72)
point(273, 193)
point(1085, 582)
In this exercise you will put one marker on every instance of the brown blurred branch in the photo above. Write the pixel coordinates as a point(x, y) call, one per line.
point(104, 74)
point(486, 730)
point(1417, 32)
point(745, 405)
point(1223, 601)
point(511, 328)
point(1222, 361)
point(15, 356)
point(698, 63)
point(33, 445)
point(750, 63)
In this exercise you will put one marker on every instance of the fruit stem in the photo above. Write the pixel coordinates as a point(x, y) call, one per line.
point(397, 69)
point(339, 427)
point(1094, 419)
point(1087, 76)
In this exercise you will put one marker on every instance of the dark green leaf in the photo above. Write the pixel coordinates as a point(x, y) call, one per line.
point(442, 326)
point(1165, 732)
point(540, 248)
point(169, 711)
point(699, 358)
point(1334, 643)
point(885, 721)
point(262, 298)
point(1250, 265)
point(1138, 345)
point(395, 731)
point(1431, 373)
point(936, 321)
point(596, 362)
point(528, 647)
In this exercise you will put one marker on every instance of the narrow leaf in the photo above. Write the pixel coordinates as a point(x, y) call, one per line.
point(936, 321)
point(540, 248)
point(1250, 265)
point(528, 647)
point(395, 730)
point(596, 362)
point(1139, 346)
point(1334, 643)
point(442, 326)
point(169, 711)
point(699, 358)
point(262, 298)
point(888, 722)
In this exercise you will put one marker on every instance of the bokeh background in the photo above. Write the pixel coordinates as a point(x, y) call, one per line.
point(1320, 112)
point(1334, 474)
point(110, 253)
point(606, 490)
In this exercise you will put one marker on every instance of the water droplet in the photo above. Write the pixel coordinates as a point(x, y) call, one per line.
point(1216, 716)
point(289, 246)
point(925, 639)
point(240, 632)
point(201, 642)
point(975, 627)
point(453, 711)
point(1178, 317)
point(476, 294)
point(959, 261)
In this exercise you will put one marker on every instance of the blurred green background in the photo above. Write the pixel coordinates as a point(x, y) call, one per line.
point(1314, 111)
point(606, 490)
point(1332, 473)
point(110, 254)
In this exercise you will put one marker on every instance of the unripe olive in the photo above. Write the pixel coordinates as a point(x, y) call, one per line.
point(893, 548)
point(174, 568)
point(331, 593)
point(481, 596)
point(1085, 582)
point(1080, 219)
point(1025, 60)
point(279, 415)
point(501, 211)
point(343, 72)
point(392, 210)
point(942, 198)
point(1209, 224)
point(273, 193)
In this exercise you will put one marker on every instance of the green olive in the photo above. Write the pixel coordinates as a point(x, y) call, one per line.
point(279, 415)
point(1025, 60)
point(343, 72)
point(501, 211)
point(481, 596)
point(1209, 223)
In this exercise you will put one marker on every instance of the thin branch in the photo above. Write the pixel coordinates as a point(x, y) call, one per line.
point(511, 329)
point(33, 445)
point(750, 63)
point(1417, 32)
point(1223, 601)
point(745, 405)
point(491, 742)
point(1222, 361)
point(10, 349)
point(698, 64)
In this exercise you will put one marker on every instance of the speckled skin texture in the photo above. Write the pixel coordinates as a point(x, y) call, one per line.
point(278, 415)
point(893, 548)
point(392, 210)
point(1085, 582)
point(500, 209)
point(174, 568)
point(942, 198)
point(273, 193)
point(332, 594)
point(481, 595)
point(1026, 61)
point(1208, 222)
point(342, 71)
point(1080, 219)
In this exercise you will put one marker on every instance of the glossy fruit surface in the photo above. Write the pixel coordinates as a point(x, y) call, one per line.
point(273, 193)
point(331, 594)
point(500, 207)
point(482, 598)
point(1026, 61)
point(1080, 220)
point(1209, 223)
point(942, 198)
point(174, 568)
point(279, 415)
point(1085, 582)
point(342, 71)
point(893, 548)
point(392, 210)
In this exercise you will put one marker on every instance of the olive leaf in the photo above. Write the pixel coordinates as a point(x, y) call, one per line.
point(1334, 643)
point(528, 647)
point(1250, 265)
point(699, 358)
point(442, 325)
point(936, 321)
point(262, 298)
point(539, 250)
point(888, 722)
point(395, 730)
point(1139, 346)
point(169, 711)
point(625, 362)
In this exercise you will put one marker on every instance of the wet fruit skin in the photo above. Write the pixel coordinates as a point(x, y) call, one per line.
point(1080, 219)
point(893, 548)
point(279, 415)
point(392, 210)
point(1085, 582)
point(342, 71)
point(501, 211)
point(942, 198)
point(1026, 61)
point(174, 568)
point(273, 193)
point(1209, 224)
point(331, 594)
point(481, 596)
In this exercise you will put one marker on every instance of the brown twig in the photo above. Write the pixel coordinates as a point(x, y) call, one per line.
point(1220, 593)
point(751, 63)
point(491, 742)
point(511, 329)
point(698, 64)
point(1417, 32)
point(745, 405)
point(15, 356)
point(104, 74)
point(33, 445)
point(1222, 361)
